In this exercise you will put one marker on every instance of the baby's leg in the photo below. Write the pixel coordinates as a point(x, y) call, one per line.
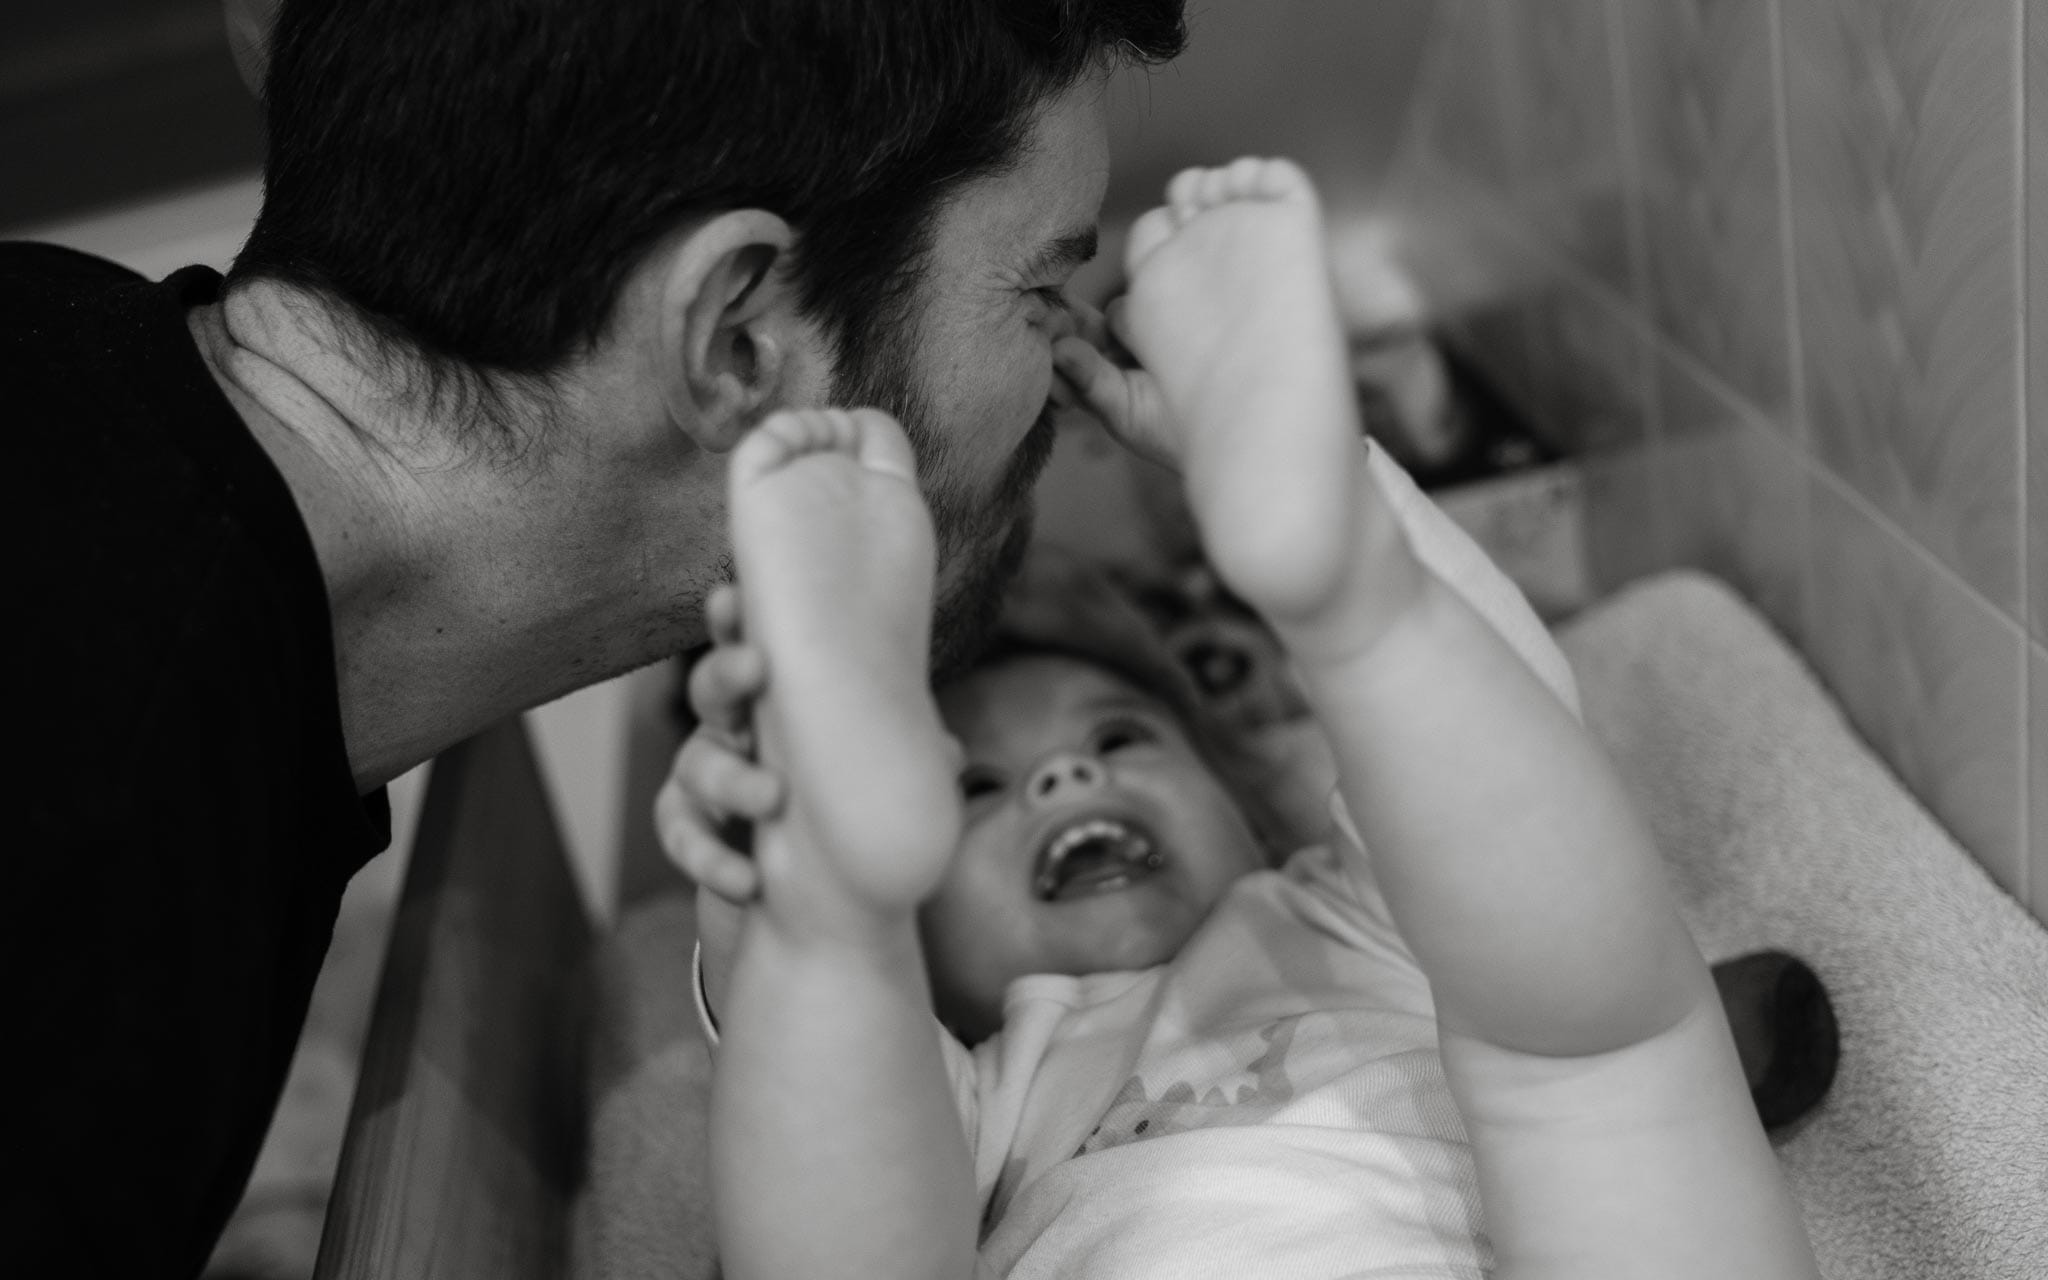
point(830, 1092)
point(1231, 309)
point(835, 555)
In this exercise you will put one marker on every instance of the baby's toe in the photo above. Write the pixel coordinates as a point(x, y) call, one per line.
point(880, 444)
point(1184, 192)
point(1154, 228)
point(1282, 179)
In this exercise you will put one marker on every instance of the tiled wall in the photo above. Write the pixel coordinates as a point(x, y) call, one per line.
point(1771, 264)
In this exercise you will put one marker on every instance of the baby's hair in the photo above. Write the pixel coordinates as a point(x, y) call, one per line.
point(1146, 667)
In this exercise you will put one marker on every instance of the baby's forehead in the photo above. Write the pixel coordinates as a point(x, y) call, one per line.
point(1039, 686)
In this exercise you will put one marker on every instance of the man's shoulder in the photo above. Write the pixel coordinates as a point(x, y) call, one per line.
point(160, 530)
point(32, 263)
point(74, 330)
point(49, 296)
point(107, 402)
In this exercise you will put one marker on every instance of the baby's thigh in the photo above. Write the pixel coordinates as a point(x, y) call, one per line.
point(1646, 1160)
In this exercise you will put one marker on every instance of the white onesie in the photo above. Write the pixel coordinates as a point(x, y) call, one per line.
point(1268, 1103)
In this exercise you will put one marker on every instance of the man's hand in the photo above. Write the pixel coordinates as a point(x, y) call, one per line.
point(715, 786)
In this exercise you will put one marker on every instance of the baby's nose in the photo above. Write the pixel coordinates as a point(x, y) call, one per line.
point(1064, 774)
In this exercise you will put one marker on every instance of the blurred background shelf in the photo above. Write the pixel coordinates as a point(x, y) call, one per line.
point(103, 102)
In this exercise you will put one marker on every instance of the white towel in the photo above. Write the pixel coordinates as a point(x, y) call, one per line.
point(1929, 1156)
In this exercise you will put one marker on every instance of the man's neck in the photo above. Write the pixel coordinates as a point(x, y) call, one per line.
point(462, 589)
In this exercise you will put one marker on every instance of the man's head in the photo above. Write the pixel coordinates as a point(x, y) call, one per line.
point(885, 191)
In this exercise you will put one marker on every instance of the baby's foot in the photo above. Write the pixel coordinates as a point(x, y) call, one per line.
point(835, 556)
point(1230, 307)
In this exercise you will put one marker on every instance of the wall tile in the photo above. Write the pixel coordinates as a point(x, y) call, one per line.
point(1476, 265)
point(1495, 341)
point(1900, 122)
point(1884, 521)
point(1732, 491)
point(2037, 785)
point(1564, 127)
point(1702, 97)
point(2037, 323)
point(1624, 529)
point(1590, 363)
point(1928, 673)
point(1590, 395)
point(1449, 124)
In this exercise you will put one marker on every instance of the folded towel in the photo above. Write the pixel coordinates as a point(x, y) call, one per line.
point(1929, 1156)
point(644, 1208)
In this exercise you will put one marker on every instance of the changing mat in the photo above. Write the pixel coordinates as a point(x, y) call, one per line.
point(1928, 1158)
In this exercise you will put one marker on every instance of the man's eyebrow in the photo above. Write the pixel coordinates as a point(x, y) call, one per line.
point(1062, 253)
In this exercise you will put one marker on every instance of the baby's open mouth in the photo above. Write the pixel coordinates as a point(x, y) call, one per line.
point(1095, 855)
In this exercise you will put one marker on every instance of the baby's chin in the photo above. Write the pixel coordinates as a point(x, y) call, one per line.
point(1153, 929)
point(973, 1017)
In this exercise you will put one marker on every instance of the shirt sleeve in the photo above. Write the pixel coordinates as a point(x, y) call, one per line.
point(1343, 871)
point(965, 1078)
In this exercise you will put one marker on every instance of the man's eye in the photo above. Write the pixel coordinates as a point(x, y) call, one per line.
point(975, 783)
point(1052, 295)
point(1120, 734)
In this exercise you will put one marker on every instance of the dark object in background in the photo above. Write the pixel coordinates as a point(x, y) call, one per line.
point(116, 100)
point(1437, 414)
point(1785, 1031)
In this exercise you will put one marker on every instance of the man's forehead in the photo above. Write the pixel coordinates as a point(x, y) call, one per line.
point(1041, 210)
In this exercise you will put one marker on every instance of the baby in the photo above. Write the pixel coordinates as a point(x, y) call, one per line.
point(1468, 1034)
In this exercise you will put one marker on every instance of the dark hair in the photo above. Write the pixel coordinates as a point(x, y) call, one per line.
point(473, 179)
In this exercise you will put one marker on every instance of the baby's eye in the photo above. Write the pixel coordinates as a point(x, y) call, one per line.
point(976, 782)
point(1118, 734)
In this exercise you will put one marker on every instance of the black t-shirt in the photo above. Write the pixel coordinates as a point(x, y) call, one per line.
point(191, 816)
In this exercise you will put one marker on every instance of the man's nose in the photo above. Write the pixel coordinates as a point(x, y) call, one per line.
point(1064, 775)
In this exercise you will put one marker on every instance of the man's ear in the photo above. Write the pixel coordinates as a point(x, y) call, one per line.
point(728, 331)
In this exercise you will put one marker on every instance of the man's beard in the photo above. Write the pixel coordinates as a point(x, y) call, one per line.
point(982, 536)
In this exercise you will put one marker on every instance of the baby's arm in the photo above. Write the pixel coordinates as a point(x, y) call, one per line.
point(1581, 1034)
point(836, 1149)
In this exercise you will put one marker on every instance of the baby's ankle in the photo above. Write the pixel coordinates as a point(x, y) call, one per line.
point(1386, 585)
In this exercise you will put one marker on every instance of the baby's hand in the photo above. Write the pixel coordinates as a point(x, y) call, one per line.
point(1116, 390)
point(714, 783)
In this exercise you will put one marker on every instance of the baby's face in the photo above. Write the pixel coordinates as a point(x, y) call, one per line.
point(1096, 837)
